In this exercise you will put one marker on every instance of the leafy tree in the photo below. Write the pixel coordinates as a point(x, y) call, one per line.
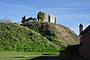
point(41, 16)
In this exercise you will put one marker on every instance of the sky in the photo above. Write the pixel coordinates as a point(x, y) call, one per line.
point(69, 13)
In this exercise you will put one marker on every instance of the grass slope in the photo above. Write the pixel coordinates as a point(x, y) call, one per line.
point(14, 37)
point(58, 34)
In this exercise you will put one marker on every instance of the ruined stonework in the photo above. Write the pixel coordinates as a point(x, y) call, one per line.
point(47, 18)
point(30, 19)
point(41, 16)
point(50, 18)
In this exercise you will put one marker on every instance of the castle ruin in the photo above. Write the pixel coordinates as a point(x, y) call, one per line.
point(46, 18)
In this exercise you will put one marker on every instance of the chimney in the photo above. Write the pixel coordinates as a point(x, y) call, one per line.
point(80, 28)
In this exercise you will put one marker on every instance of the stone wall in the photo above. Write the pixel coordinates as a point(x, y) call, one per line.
point(50, 18)
point(46, 18)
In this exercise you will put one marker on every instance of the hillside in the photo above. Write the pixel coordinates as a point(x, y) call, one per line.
point(14, 37)
point(58, 34)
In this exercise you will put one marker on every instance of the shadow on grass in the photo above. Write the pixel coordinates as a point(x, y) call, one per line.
point(50, 58)
point(70, 53)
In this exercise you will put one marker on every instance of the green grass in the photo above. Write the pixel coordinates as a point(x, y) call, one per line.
point(19, 42)
point(21, 55)
point(31, 55)
point(14, 37)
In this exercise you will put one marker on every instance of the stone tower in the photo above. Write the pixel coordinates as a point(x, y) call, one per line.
point(23, 19)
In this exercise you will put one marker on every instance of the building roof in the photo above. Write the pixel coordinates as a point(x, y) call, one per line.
point(86, 30)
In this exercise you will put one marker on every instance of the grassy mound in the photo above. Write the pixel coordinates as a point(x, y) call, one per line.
point(14, 37)
point(57, 34)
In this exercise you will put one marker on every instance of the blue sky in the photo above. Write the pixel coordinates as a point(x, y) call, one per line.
point(68, 12)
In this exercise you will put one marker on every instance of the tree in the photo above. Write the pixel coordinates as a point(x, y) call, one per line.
point(40, 16)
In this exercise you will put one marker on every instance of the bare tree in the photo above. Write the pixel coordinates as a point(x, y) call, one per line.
point(5, 20)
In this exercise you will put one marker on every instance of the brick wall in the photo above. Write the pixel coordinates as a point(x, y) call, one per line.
point(85, 48)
